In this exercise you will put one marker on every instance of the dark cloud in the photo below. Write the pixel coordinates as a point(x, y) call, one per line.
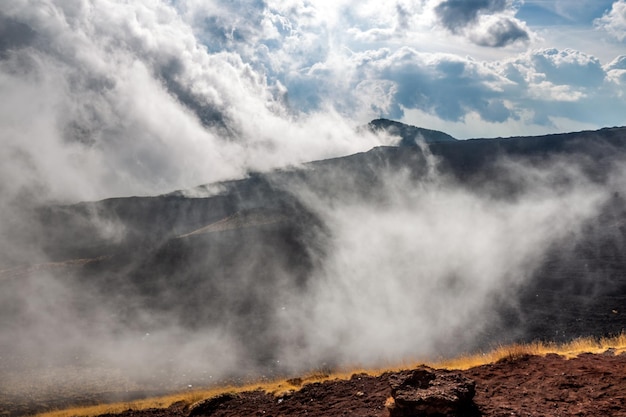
point(14, 34)
point(404, 17)
point(457, 14)
point(208, 113)
point(503, 32)
point(482, 21)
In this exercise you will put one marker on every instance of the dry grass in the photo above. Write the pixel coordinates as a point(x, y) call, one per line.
point(569, 350)
point(188, 397)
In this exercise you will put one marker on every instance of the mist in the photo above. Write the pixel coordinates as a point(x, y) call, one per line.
point(411, 264)
point(420, 270)
point(394, 262)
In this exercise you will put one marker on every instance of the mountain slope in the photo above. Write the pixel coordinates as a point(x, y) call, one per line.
point(289, 269)
point(409, 135)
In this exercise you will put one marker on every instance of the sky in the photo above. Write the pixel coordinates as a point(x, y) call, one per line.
point(471, 68)
point(111, 97)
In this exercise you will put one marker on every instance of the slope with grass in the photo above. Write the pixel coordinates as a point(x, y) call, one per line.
point(585, 375)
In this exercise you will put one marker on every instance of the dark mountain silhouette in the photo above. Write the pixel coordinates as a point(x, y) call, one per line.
point(409, 135)
point(227, 256)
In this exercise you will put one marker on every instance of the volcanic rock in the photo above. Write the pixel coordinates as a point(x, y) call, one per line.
point(210, 405)
point(428, 392)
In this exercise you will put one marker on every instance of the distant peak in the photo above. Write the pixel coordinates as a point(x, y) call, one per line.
point(409, 134)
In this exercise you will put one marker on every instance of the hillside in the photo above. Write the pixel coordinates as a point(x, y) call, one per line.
point(589, 385)
point(417, 250)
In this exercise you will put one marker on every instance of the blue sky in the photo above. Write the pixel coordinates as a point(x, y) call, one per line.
point(551, 12)
point(150, 95)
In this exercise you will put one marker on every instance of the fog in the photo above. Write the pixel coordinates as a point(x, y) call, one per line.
point(402, 269)
point(96, 105)
point(420, 271)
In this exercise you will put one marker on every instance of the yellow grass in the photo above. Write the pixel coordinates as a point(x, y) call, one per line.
point(569, 350)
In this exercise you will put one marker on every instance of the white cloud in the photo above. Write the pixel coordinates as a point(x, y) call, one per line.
point(614, 21)
point(144, 107)
point(333, 55)
point(538, 90)
point(446, 85)
point(616, 73)
point(451, 87)
point(618, 63)
point(566, 67)
point(546, 91)
point(561, 84)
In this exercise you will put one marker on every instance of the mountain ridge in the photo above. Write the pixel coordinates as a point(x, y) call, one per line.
point(272, 237)
point(410, 135)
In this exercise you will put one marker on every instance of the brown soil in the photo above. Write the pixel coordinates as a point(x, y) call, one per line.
point(588, 385)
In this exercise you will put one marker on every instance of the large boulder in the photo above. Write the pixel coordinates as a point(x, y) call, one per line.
point(430, 392)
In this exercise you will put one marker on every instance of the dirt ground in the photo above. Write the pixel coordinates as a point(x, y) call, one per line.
point(588, 385)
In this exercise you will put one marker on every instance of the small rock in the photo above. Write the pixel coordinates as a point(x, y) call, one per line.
point(296, 382)
point(609, 352)
point(208, 406)
point(427, 392)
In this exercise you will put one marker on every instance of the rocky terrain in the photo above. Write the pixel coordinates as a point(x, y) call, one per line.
point(588, 385)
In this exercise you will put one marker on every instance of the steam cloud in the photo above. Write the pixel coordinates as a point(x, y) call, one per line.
point(105, 98)
point(416, 272)
point(496, 29)
point(420, 271)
